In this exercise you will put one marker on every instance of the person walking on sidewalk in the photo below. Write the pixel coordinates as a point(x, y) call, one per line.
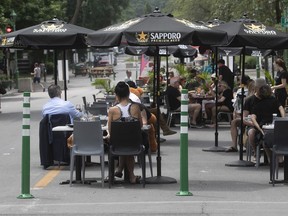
point(37, 76)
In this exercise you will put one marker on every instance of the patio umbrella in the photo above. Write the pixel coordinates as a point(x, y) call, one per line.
point(247, 32)
point(52, 34)
point(179, 50)
point(156, 29)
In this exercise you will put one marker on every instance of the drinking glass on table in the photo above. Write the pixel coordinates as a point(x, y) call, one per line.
point(78, 107)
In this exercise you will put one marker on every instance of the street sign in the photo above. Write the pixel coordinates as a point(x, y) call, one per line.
point(284, 22)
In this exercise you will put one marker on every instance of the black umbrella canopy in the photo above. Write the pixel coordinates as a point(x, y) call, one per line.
point(252, 51)
point(156, 29)
point(180, 51)
point(51, 34)
point(247, 32)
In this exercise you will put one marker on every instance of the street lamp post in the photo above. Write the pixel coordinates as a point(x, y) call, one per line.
point(13, 17)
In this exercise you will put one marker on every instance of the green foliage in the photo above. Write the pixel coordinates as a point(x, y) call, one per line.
point(269, 77)
point(182, 70)
point(264, 11)
point(250, 62)
point(206, 78)
point(138, 8)
point(103, 84)
point(49, 67)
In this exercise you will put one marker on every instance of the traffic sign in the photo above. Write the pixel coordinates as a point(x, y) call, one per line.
point(284, 22)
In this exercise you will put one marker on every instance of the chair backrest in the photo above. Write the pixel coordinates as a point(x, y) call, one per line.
point(98, 108)
point(84, 102)
point(88, 135)
point(58, 139)
point(280, 134)
point(94, 97)
point(145, 99)
point(126, 137)
point(110, 99)
point(140, 83)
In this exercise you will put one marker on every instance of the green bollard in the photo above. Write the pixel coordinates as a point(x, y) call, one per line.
point(184, 180)
point(25, 178)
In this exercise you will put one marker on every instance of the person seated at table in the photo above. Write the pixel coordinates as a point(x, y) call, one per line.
point(224, 103)
point(148, 119)
point(163, 124)
point(249, 103)
point(210, 93)
point(56, 105)
point(195, 81)
point(263, 114)
point(237, 97)
point(174, 99)
point(124, 111)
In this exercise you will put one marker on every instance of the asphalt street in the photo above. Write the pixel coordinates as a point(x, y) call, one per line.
point(217, 189)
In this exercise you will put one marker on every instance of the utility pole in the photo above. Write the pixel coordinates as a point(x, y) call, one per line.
point(13, 17)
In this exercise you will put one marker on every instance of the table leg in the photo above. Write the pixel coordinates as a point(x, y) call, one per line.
point(285, 168)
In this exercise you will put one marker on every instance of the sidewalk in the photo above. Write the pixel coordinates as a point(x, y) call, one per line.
point(217, 189)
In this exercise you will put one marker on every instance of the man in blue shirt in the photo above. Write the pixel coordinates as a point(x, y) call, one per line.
point(56, 105)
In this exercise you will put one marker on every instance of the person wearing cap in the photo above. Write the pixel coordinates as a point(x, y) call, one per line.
point(174, 100)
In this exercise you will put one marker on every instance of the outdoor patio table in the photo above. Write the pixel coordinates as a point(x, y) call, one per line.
point(102, 71)
point(270, 139)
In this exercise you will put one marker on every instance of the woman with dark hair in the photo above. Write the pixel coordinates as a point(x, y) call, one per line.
point(124, 111)
point(262, 113)
point(281, 81)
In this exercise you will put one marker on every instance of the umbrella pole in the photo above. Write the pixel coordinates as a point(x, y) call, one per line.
point(64, 74)
point(158, 179)
point(215, 148)
point(55, 67)
point(241, 162)
point(154, 82)
point(167, 70)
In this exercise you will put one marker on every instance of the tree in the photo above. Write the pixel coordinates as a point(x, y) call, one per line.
point(268, 12)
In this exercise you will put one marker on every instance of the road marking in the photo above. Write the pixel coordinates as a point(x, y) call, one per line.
point(141, 203)
point(47, 178)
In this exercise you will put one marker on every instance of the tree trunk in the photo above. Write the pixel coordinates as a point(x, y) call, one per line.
point(76, 12)
point(277, 11)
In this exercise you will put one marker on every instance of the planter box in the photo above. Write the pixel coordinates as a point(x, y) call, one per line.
point(25, 85)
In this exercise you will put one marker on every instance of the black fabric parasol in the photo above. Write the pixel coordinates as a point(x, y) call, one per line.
point(247, 33)
point(156, 29)
point(52, 34)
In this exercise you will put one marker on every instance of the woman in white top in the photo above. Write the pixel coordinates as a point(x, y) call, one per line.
point(124, 110)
